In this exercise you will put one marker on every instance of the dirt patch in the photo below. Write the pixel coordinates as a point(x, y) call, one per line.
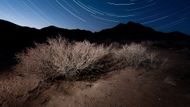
point(126, 88)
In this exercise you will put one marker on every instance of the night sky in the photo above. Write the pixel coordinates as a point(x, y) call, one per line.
point(94, 15)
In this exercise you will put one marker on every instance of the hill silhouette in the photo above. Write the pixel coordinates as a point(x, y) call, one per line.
point(15, 38)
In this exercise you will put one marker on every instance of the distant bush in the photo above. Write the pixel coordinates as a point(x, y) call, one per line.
point(59, 58)
point(136, 55)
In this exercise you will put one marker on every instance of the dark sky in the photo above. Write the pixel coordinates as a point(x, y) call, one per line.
point(94, 15)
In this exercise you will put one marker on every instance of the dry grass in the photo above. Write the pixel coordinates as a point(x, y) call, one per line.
point(14, 90)
point(59, 58)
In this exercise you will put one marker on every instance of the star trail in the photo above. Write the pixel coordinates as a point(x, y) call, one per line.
point(94, 15)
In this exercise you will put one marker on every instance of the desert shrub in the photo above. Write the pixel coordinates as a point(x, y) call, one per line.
point(136, 55)
point(59, 58)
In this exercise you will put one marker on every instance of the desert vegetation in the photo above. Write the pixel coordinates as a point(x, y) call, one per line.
point(60, 58)
point(56, 59)
point(84, 73)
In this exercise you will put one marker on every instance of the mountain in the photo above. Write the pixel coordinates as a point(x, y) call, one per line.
point(137, 32)
point(16, 38)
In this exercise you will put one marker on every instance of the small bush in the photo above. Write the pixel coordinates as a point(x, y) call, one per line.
point(135, 55)
point(58, 58)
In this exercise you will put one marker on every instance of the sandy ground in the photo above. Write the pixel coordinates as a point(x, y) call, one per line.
point(126, 88)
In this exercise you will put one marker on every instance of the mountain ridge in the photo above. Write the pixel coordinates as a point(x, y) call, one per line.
point(15, 38)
